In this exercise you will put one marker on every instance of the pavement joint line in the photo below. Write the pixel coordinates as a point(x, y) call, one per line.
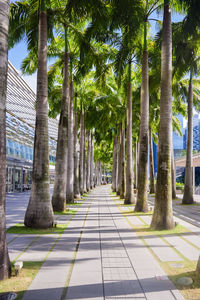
point(36, 238)
point(99, 220)
point(162, 237)
point(65, 289)
point(127, 253)
point(174, 248)
point(14, 238)
point(123, 212)
point(149, 248)
point(26, 248)
point(190, 243)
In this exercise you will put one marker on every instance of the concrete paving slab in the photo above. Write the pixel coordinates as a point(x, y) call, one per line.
point(192, 238)
point(19, 244)
point(111, 262)
point(86, 279)
point(116, 262)
point(10, 237)
point(135, 220)
point(123, 289)
point(38, 250)
point(186, 249)
point(54, 271)
point(146, 219)
point(163, 251)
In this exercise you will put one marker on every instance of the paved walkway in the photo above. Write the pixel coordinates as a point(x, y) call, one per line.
point(100, 256)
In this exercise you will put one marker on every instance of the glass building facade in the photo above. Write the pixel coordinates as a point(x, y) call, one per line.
point(20, 127)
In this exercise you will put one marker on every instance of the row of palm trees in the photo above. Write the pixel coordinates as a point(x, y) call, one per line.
point(105, 37)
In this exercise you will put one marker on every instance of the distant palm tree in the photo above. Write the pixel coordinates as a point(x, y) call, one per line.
point(59, 191)
point(39, 213)
point(114, 169)
point(70, 152)
point(88, 160)
point(76, 158)
point(82, 145)
point(163, 215)
point(5, 267)
point(152, 186)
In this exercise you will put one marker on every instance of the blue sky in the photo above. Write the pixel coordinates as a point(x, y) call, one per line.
point(19, 52)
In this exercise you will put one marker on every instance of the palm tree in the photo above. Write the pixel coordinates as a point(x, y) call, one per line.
point(92, 162)
point(186, 53)
point(163, 215)
point(59, 191)
point(152, 186)
point(5, 267)
point(39, 213)
point(188, 187)
point(142, 197)
point(129, 196)
point(119, 161)
point(76, 159)
point(122, 151)
point(114, 169)
point(82, 128)
point(70, 152)
point(88, 160)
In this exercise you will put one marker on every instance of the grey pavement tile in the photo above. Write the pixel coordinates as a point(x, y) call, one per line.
point(135, 220)
point(123, 288)
point(51, 278)
point(193, 238)
point(10, 237)
point(44, 293)
point(85, 291)
point(19, 244)
point(118, 262)
point(110, 274)
point(146, 219)
point(187, 225)
point(163, 251)
point(183, 247)
point(114, 253)
point(38, 250)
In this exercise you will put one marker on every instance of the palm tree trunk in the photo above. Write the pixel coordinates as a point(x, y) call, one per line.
point(119, 162)
point(59, 192)
point(81, 151)
point(39, 213)
point(136, 166)
point(122, 188)
point(100, 173)
point(129, 198)
point(188, 187)
point(88, 160)
point(173, 176)
point(76, 163)
point(152, 186)
point(84, 164)
point(70, 154)
point(163, 214)
point(114, 169)
point(142, 197)
point(92, 163)
point(5, 267)
point(97, 173)
point(198, 268)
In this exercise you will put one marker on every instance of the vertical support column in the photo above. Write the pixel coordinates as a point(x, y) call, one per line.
point(193, 179)
point(21, 179)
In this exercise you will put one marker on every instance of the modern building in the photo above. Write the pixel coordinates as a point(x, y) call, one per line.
point(196, 134)
point(20, 126)
point(178, 140)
